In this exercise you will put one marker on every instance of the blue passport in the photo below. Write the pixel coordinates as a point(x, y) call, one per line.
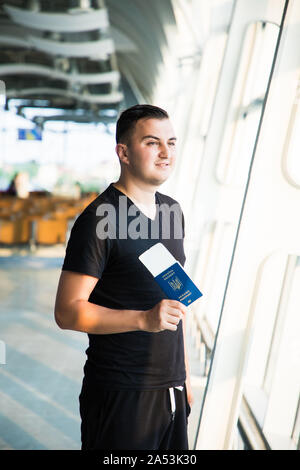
point(177, 285)
point(170, 275)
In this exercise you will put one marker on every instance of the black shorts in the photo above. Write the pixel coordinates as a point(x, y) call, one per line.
point(133, 419)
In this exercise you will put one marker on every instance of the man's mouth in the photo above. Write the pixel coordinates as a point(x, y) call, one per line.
point(163, 165)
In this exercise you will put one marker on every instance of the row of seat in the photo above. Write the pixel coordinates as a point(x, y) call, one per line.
point(40, 220)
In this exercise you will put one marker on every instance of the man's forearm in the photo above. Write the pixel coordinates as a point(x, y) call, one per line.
point(87, 317)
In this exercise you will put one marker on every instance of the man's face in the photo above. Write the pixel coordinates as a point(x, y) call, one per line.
point(151, 151)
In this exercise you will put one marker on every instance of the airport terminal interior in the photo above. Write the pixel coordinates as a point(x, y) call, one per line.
point(228, 74)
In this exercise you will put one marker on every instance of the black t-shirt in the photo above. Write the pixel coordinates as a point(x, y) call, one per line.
point(105, 242)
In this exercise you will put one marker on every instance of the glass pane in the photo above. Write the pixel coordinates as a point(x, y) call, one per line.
point(232, 172)
point(247, 102)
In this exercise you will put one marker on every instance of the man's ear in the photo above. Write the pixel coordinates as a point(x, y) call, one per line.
point(122, 152)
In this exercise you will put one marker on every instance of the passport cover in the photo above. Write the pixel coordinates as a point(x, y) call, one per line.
point(170, 275)
point(177, 285)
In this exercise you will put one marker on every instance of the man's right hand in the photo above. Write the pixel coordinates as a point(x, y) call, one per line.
point(165, 315)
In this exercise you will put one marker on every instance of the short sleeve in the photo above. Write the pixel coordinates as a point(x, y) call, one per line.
point(86, 253)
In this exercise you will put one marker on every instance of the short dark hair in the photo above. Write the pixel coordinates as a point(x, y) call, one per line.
point(129, 117)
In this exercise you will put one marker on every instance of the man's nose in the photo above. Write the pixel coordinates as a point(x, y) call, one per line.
point(164, 151)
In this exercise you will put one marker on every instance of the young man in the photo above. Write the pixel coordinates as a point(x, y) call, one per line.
point(136, 390)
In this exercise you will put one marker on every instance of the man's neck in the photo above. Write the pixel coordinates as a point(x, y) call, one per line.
point(142, 196)
point(137, 192)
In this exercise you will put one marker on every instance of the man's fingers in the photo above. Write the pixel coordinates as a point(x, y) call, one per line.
point(169, 313)
point(172, 318)
point(175, 319)
point(176, 312)
point(172, 321)
point(170, 326)
point(172, 302)
point(175, 304)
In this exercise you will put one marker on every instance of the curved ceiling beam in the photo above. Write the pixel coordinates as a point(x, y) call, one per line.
point(142, 43)
point(14, 41)
point(59, 22)
point(14, 35)
point(84, 118)
point(115, 97)
point(93, 49)
point(33, 69)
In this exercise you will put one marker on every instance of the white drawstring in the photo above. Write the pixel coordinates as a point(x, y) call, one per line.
point(173, 401)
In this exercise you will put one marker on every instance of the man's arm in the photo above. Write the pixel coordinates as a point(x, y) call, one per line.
point(73, 311)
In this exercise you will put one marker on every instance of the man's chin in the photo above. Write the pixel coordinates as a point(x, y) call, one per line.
point(158, 181)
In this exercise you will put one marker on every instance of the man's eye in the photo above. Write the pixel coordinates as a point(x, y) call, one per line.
point(151, 143)
point(172, 143)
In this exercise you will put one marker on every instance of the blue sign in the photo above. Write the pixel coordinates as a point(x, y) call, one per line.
point(29, 134)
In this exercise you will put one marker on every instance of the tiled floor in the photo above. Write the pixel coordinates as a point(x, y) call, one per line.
point(41, 380)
